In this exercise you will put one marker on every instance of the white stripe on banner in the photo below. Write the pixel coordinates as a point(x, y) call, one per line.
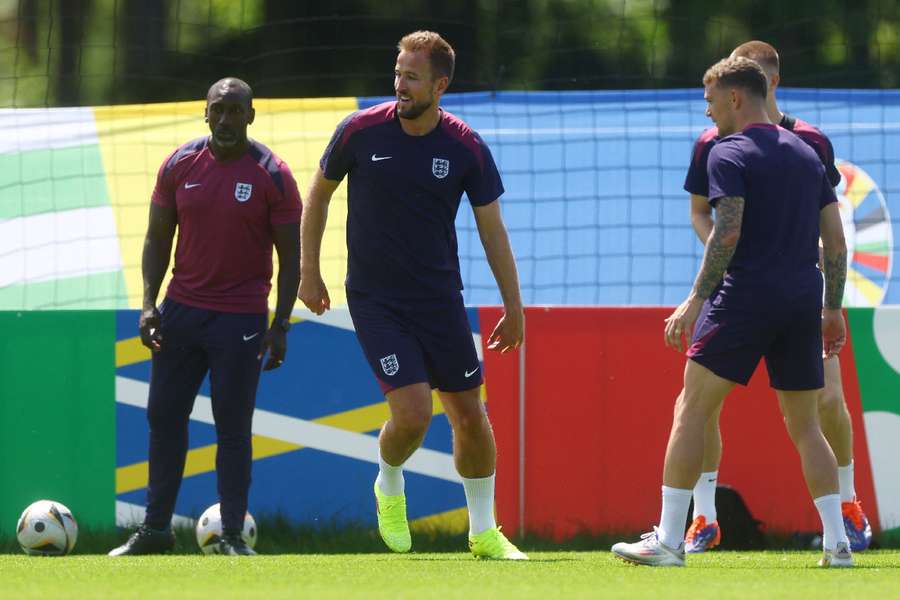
point(305, 433)
point(58, 245)
point(130, 515)
point(41, 128)
point(332, 318)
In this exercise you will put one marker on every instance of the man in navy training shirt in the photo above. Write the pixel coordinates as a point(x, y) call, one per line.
point(408, 163)
point(231, 199)
point(704, 532)
point(758, 294)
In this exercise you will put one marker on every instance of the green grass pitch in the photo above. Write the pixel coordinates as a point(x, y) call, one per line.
point(719, 575)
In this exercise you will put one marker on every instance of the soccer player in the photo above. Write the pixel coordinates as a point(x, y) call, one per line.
point(704, 532)
point(231, 200)
point(758, 293)
point(409, 162)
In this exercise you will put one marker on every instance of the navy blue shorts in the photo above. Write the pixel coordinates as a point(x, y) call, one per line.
point(420, 341)
point(729, 341)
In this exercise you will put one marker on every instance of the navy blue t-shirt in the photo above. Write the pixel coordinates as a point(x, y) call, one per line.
point(697, 180)
point(784, 187)
point(403, 194)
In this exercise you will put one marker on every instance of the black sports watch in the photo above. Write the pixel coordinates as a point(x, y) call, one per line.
point(284, 325)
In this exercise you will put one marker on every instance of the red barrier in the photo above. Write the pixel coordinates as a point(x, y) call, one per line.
point(599, 392)
point(502, 382)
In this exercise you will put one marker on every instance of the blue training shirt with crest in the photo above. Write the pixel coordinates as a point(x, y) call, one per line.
point(403, 194)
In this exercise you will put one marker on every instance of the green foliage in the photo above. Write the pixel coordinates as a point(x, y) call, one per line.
point(147, 50)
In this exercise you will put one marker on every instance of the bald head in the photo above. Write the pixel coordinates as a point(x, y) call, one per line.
point(233, 87)
point(229, 110)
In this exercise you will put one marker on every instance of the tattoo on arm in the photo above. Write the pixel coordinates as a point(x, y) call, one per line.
point(721, 245)
point(835, 276)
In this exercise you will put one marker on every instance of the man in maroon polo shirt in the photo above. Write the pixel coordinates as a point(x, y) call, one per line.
point(231, 200)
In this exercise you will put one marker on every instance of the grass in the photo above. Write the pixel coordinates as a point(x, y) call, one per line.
point(278, 535)
point(719, 575)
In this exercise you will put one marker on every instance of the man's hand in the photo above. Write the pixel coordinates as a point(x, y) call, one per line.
point(508, 333)
point(275, 342)
point(314, 294)
point(680, 324)
point(148, 323)
point(834, 331)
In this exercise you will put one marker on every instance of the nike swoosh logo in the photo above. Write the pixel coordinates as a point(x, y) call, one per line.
point(469, 374)
point(377, 158)
point(247, 338)
point(188, 186)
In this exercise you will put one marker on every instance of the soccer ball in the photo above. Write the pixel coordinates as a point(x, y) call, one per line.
point(209, 530)
point(47, 528)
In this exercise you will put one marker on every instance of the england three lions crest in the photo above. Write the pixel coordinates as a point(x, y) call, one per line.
point(440, 167)
point(390, 365)
point(243, 191)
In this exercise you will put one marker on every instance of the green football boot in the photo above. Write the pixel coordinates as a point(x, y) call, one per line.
point(392, 524)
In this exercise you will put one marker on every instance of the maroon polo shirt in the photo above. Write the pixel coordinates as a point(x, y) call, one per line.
point(226, 212)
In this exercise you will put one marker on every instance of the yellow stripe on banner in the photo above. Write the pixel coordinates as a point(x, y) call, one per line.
point(869, 289)
point(862, 185)
point(452, 522)
point(135, 139)
point(131, 351)
point(203, 460)
point(135, 477)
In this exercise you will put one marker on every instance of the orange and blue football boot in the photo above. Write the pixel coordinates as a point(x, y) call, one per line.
point(702, 537)
point(857, 525)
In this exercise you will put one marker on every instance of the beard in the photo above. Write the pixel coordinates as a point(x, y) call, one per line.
point(414, 110)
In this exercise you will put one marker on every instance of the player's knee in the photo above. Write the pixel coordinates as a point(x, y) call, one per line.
point(692, 408)
point(801, 427)
point(166, 424)
point(237, 438)
point(831, 405)
point(470, 422)
point(412, 424)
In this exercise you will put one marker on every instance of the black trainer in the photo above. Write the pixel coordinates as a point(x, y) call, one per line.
point(232, 544)
point(146, 541)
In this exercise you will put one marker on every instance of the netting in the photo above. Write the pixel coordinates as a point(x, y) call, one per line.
point(593, 176)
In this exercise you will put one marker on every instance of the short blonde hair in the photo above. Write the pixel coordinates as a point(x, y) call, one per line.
point(761, 52)
point(440, 53)
point(738, 72)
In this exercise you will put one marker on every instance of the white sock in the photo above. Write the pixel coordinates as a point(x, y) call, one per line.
point(845, 479)
point(675, 503)
point(705, 496)
point(390, 478)
point(480, 500)
point(832, 520)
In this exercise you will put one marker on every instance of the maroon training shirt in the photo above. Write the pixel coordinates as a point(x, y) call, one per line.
point(226, 211)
